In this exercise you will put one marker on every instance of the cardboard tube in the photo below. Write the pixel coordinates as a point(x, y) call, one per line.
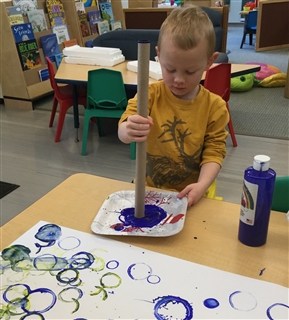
point(142, 109)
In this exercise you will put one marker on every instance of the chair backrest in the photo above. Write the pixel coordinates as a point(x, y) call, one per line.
point(127, 41)
point(105, 89)
point(251, 20)
point(218, 80)
point(51, 71)
point(280, 201)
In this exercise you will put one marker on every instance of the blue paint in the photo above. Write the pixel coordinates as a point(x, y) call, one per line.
point(153, 216)
point(28, 316)
point(153, 279)
point(282, 305)
point(63, 276)
point(81, 260)
point(258, 188)
point(139, 271)
point(242, 301)
point(48, 233)
point(164, 303)
point(23, 301)
point(112, 264)
point(211, 303)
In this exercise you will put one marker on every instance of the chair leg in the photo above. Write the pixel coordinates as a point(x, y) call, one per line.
point(53, 112)
point(85, 134)
point(99, 127)
point(251, 39)
point(60, 123)
point(132, 149)
point(232, 133)
point(231, 128)
point(243, 40)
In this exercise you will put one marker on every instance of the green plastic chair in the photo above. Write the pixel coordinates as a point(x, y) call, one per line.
point(106, 98)
point(280, 200)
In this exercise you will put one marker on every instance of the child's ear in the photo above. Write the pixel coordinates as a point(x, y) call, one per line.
point(212, 59)
point(157, 51)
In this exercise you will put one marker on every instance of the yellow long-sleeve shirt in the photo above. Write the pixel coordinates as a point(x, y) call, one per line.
point(185, 135)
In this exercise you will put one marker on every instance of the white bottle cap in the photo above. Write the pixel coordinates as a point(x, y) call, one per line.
point(261, 162)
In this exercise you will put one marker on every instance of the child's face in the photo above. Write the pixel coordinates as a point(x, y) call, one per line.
point(183, 69)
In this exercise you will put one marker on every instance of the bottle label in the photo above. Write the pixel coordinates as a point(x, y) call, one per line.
point(248, 202)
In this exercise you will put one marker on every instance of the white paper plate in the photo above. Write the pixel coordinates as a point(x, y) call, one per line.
point(110, 220)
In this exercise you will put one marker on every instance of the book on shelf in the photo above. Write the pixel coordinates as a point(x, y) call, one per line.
point(69, 43)
point(115, 25)
point(103, 27)
point(79, 6)
point(43, 74)
point(38, 20)
point(106, 11)
point(14, 15)
point(84, 24)
point(61, 33)
point(22, 32)
point(56, 12)
point(93, 18)
point(50, 45)
point(29, 54)
point(25, 5)
point(89, 3)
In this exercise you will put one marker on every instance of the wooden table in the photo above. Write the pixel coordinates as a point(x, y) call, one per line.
point(209, 236)
point(78, 73)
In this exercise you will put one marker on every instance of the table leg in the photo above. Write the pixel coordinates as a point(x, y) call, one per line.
point(75, 111)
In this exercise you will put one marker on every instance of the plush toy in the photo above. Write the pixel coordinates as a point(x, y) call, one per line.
point(268, 76)
point(242, 83)
point(275, 80)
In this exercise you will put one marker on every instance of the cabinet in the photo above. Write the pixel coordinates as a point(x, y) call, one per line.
point(272, 25)
point(21, 88)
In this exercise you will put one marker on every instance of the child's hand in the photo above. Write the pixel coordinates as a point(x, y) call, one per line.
point(194, 192)
point(138, 127)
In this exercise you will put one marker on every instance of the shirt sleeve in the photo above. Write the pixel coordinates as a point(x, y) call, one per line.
point(216, 134)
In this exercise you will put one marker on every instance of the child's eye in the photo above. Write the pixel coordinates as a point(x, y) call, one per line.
point(190, 72)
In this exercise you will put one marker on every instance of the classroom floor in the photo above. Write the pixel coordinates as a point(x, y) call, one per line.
point(31, 159)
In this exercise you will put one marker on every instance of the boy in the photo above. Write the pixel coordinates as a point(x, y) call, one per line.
point(185, 130)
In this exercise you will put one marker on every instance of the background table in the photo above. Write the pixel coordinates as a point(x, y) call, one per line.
point(209, 236)
point(78, 73)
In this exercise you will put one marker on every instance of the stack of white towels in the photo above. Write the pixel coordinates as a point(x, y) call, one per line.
point(100, 56)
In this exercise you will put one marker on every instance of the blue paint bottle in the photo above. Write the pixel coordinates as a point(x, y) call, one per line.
point(256, 201)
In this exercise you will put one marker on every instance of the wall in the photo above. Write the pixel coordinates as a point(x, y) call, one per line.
point(234, 12)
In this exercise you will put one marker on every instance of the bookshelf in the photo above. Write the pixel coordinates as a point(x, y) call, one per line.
point(21, 88)
point(73, 20)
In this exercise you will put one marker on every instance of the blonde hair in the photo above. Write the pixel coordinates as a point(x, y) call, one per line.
point(187, 26)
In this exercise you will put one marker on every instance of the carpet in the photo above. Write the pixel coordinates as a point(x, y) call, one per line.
point(260, 112)
point(6, 188)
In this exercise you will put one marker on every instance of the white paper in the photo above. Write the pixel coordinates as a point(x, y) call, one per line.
point(155, 71)
point(78, 275)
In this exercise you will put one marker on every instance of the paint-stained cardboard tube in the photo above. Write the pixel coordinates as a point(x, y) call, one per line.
point(142, 109)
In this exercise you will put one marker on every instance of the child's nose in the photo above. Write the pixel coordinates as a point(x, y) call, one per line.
point(179, 78)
